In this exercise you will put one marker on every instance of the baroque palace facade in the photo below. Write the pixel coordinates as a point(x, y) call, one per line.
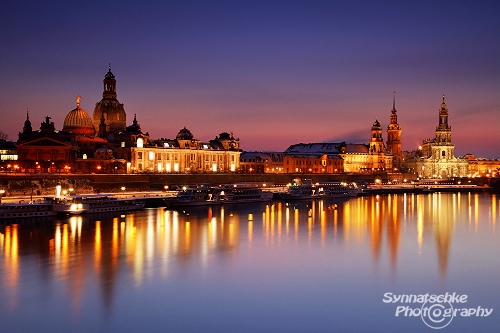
point(104, 144)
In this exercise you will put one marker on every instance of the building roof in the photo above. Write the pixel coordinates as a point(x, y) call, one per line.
point(328, 148)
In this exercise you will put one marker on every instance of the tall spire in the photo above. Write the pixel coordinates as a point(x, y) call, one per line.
point(394, 101)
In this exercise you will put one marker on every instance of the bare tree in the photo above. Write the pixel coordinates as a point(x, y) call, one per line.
point(3, 136)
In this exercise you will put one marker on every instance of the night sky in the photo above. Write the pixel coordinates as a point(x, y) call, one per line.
point(275, 73)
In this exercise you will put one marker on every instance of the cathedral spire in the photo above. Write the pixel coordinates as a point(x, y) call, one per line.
point(394, 101)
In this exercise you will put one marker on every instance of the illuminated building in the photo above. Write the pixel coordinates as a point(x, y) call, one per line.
point(435, 158)
point(261, 162)
point(183, 154)
point(8, 151)
point(329, 157)
point(51, 150)
point(483, 167)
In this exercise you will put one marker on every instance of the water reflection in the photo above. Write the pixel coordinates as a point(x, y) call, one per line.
point(72, 252)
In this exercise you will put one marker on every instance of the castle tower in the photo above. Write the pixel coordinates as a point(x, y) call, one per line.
point(377, 148)
point(113, 111)
point(376, 141)
point(394, 136)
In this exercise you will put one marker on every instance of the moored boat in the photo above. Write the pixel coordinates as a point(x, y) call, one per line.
point(242, 193)
point(338, 190)
point(25, 209)
point(82, 204)
point(299, 191)
point(194, 196)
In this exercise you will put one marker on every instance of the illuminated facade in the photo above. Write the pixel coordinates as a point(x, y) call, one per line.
point(261, 162)
point(313, 163)
point(332, 158)
point(436, 158)
point(483, 167)
point(184, 154)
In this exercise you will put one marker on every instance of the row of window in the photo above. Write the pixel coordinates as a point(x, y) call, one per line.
point(175, 157)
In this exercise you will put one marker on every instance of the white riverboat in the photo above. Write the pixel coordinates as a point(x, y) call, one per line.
point(241, 193)
point(194, 196)
point(299, 191)
point(25, 209)
point(337, 190)
point(88, 204)
point(225, 194)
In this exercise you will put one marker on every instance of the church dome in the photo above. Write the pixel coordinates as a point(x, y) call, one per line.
point(376, 125)
point(184, 134)
point(78, 121)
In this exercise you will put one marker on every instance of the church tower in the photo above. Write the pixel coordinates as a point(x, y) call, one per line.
point(394, 136)
point(437, 156)
point(443, 130)
point(110, 108)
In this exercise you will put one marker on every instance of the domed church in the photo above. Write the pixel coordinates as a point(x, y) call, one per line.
point(110, 108)
point(78, 121)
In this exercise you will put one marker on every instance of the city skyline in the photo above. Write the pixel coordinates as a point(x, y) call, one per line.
point(274, 74)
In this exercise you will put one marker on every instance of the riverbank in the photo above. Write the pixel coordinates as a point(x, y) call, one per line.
point(45, 184)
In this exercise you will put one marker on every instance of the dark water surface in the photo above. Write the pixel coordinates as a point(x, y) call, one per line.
point(306, 266)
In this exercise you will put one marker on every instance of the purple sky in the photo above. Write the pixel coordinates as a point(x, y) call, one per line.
point(275, 73)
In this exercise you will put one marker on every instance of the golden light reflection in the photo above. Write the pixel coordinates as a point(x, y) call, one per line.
point(146, 242)
point(11, 264)
point(250, 232)
point(494, 211)
point(97, 246)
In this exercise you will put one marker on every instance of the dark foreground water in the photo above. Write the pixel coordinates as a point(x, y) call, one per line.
point(297, 267)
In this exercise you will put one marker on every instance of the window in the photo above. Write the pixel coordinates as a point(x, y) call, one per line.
point(139, 155)
point(140, 143)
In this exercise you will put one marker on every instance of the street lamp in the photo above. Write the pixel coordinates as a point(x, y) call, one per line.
point(2, 192)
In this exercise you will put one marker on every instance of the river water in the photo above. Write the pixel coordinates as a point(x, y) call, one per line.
point(362, 265)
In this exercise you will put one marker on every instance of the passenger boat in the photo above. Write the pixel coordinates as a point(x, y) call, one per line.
point(226, 194)
point(337, 190)
point(194, 196)
point(82, 204)
point(241, 193)
point(25, 209)
point(305, 190)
